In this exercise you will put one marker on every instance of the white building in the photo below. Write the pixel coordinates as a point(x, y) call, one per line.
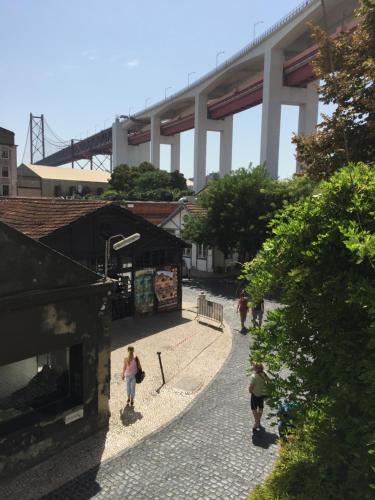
point(198, 257)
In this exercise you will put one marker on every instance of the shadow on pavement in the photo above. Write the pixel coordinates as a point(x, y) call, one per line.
point(129, 416)
point(128, 330)
point(264, 439)
point(224, 287)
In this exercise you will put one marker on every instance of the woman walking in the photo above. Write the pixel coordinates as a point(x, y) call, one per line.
point(131, 366)
point(242, 309)
point(257, 389)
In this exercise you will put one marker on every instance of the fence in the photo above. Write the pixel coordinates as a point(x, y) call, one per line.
point(208, 310)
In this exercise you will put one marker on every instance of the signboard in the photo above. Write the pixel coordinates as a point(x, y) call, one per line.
point(166, 288)
point(144, 290)
point(73, 416)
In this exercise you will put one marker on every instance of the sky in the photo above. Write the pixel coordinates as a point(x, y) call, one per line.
point(83, 62)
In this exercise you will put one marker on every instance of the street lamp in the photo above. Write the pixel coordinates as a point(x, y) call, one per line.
point(254, 26)
point(146, 101)
point(120, 244)
point(165, 92)
point(189, 75)
point(219, 54)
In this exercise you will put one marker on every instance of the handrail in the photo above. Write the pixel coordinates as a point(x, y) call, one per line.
point(257, 41)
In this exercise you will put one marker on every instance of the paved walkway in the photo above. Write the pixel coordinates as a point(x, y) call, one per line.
point(206, 453)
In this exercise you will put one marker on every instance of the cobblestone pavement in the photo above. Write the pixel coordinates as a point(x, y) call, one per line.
point(208, 452)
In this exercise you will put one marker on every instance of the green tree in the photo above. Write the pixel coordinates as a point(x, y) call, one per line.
point(346, 66)
point(321, 260)
point(178, 180)
point(238, 208)
point(145, 182)
point(123, 178)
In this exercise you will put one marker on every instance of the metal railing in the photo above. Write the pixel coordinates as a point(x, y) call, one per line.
point(208, 310)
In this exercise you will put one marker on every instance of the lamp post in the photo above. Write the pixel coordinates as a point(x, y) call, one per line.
point(165, 92)
point(189, 75)
point(146, 101)
point(120, 244)
point(254, 26)
point(219, 54)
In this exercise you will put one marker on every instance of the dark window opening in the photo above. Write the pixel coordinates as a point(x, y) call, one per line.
point(40, 386)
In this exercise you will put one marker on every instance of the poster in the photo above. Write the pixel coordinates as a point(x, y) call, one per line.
point(144, 291)
point(166, 288)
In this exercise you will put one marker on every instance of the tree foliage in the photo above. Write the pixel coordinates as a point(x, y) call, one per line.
point(239, 207)
point(145, 182)
point(346, 66)
point(321, 258)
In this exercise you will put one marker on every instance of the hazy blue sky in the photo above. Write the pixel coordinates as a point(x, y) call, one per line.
point(82, 62)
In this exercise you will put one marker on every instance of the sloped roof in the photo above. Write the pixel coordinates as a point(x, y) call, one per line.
point(28, 265)
point(153, 211)
point(68, 174)
point(195, 209)
point(38, 217)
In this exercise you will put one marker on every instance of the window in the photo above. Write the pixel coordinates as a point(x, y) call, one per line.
point(4, 154)
point(202, 251)
point(4, 190)
point(5, 172)
point(187, 252)
point(50, 382)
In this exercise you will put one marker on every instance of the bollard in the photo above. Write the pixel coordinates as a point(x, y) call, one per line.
point(161, 368)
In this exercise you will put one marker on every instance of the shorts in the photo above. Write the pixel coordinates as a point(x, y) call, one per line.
point(256, 402)
point(257, 314)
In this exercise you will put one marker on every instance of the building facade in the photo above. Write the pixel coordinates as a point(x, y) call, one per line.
point(8, 163)
point(198, 257)
point(39, 181)
point(148, 272)
point(55, 360)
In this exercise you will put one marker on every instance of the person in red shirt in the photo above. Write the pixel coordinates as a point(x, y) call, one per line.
point(242, 309)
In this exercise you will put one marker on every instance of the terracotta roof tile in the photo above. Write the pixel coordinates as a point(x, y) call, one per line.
point(153, 211)
point(38, 217)
point(194, 208)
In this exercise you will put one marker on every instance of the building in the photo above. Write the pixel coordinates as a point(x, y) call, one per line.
point(153, 211)
point(198, 257)
point(55, 355)
point(148, 271)
point(8, 163)
point(47, 182)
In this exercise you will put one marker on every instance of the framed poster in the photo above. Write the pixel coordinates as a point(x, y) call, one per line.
point(166, 288)
point(144, 290)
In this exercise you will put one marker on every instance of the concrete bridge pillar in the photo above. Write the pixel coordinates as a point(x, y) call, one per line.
point(271, 110)
point(226, 140)
point(120, 146)
point(155, 141)
point(175, 153)
point(308, 113)
point(200, 141)
point(122, 151)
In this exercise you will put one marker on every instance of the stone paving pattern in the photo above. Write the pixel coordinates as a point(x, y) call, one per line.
point(208, 452)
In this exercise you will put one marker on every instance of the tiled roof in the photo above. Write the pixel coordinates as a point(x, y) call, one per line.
point(38, 217)
point(68, 174)
point(194, 208)
point(153, 211)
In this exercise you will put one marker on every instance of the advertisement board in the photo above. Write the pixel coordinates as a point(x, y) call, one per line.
point(144, 290)
point(165, 284)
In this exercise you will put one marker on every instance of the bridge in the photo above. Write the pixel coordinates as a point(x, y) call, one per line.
point(275, 69)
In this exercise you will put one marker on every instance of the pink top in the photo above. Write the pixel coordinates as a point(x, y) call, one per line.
point(131, 368)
